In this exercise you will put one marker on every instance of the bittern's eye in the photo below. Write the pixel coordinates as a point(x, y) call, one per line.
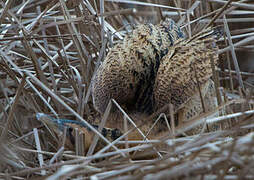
point(71, 136)
point(116, 133)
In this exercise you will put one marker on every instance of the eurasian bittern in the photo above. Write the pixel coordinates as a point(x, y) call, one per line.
point(150, 68)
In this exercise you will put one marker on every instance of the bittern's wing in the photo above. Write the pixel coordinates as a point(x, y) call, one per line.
point(180, 75)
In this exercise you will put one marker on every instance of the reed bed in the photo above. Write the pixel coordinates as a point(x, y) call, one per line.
point(49, 52)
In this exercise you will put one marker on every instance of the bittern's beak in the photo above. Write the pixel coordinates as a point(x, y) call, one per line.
point(73, 128)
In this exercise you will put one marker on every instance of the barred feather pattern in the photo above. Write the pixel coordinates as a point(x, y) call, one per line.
point(129, 70)
point(155, 66)
point(180, 74)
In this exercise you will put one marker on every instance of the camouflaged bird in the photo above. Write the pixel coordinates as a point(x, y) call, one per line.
point(150, 68)
point(155, 66)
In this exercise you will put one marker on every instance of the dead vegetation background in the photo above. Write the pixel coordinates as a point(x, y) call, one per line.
point(49, 51)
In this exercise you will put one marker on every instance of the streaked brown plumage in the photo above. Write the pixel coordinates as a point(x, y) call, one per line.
point(153, 67)
point(181, 73)
point(128, 72)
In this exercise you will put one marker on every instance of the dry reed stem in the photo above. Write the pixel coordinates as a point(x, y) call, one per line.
point(50, 51)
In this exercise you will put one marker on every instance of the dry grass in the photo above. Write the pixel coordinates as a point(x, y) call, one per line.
point(49, 51)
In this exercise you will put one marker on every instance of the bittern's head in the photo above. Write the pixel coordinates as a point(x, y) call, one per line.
point(170, 26)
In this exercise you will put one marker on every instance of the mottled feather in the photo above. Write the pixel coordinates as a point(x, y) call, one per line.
point(180, 74)
point(128, 72)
